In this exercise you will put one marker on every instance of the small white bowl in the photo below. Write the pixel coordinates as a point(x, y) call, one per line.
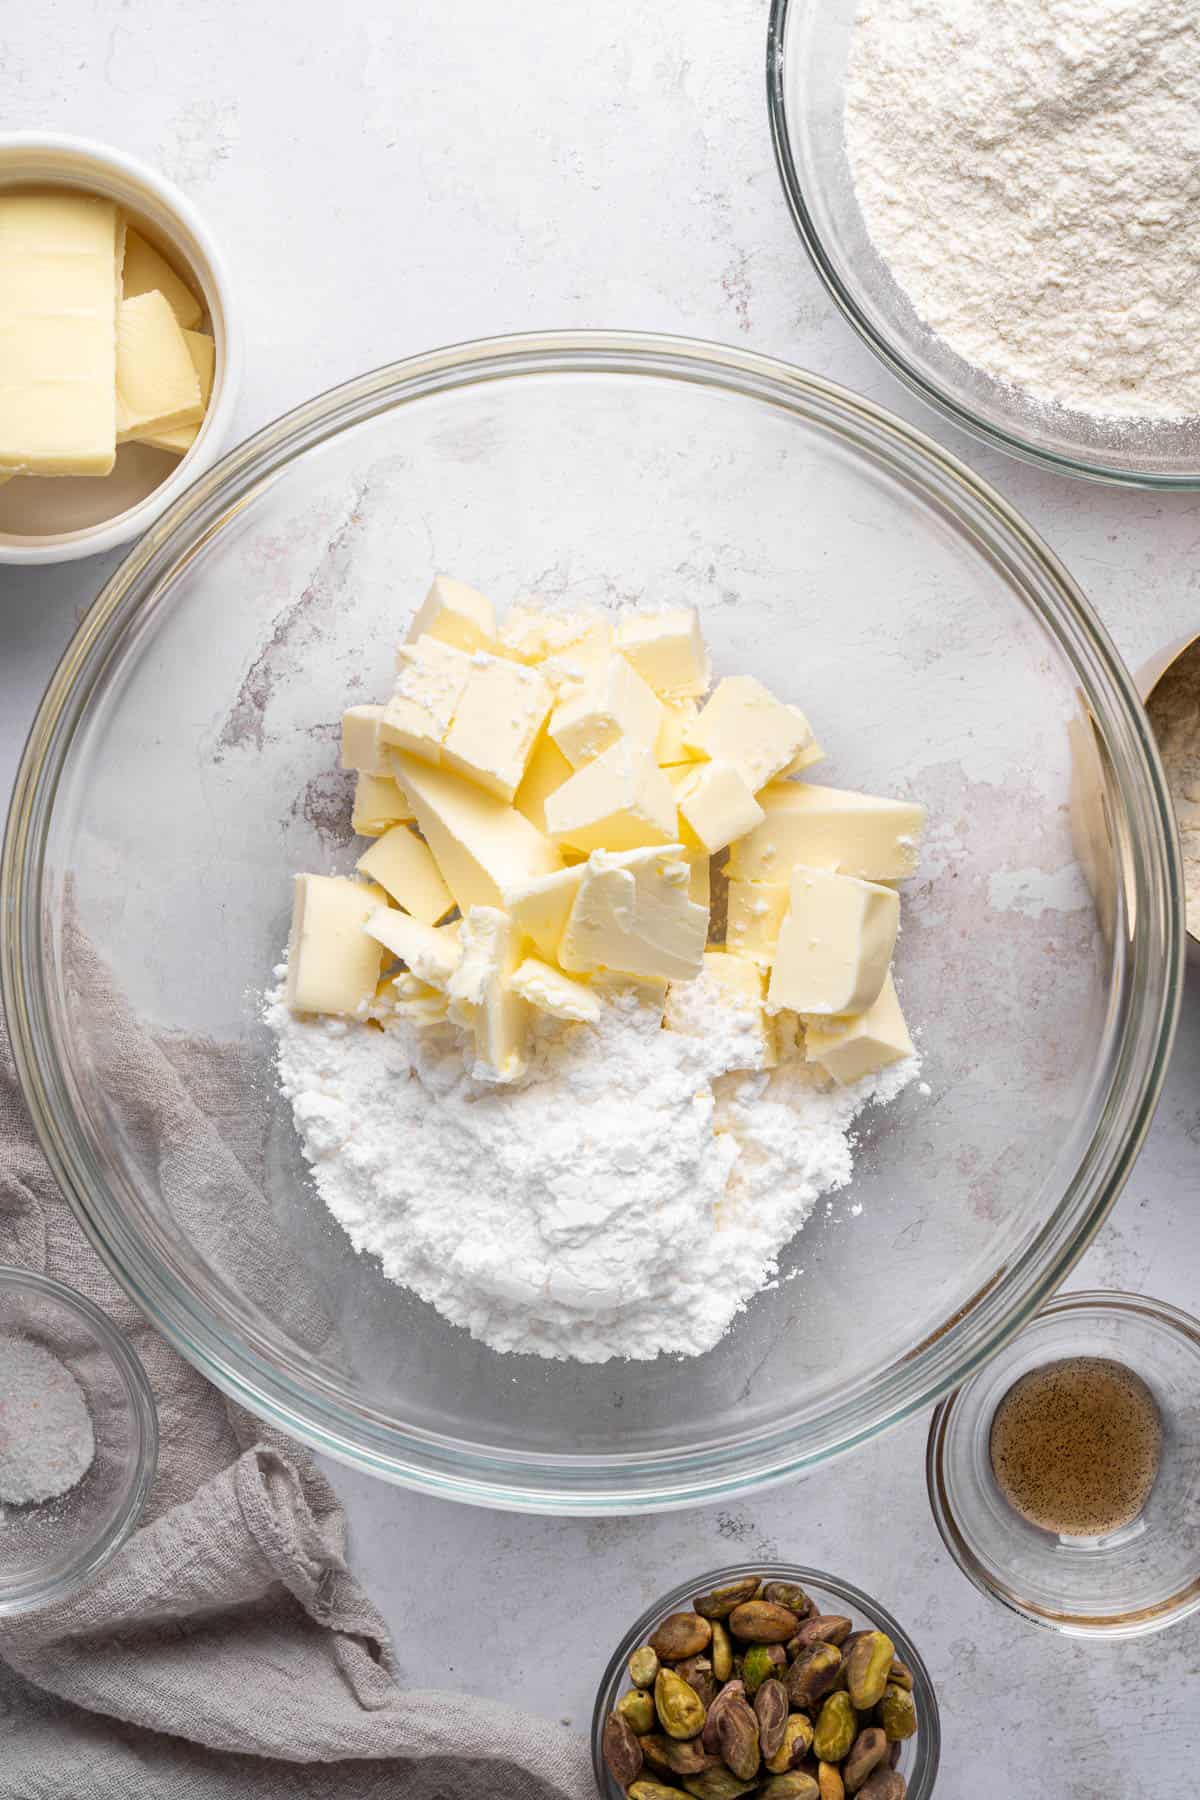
point(71, 516)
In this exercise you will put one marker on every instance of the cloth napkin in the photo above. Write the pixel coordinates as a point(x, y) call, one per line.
point(227, 1649)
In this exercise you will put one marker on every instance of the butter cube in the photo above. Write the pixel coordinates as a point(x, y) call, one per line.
point(835, 944)
point(699, 877)
point(455, 614)
point(633, 915)
point(333, 964)
point(754, 914)
point(678, 717)
point(620, 801)
point(59, 261)
point(203, 352)
point(616, 703)
point(532, 633)
point(403, 865)
point(740, 986)
point(431, 955)
point(145, 271)
point(430, 678)
point(157, 385)
point(550, 991)
point(405, 996)
point(717, 806)
point(803, 759)
point(378, 805)
point(500, 713)
point(483, 847)
point(546, 770)
point(743, 723)
point(829, 828)
point(667, 650)
point(540, 909)
point(482, 996)
point(849, 1049)
point(362, 747)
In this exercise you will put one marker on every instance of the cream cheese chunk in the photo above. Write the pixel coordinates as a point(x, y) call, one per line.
point(754, 912)
point(498, 717)
point(851, 1048)
point(59, 262)
point(482, 996)
point(621, 801)
point(145, 271)
point(455, 614)
point(483, 846)
point(633, 915)
point(333, 964)
point(403, 865)
point(613, 703)
point(550, 991)
point(744, 724)
point(540, 909)
point(835, 943)
point(378, 805)
point(432, 955)
point(667, 650)
point(717, 806)
point(829, 828)
point(157, 386)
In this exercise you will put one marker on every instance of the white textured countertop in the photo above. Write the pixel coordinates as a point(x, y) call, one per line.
point(384, 179)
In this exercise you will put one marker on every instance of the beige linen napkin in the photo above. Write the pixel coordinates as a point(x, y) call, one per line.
point(227, 1649)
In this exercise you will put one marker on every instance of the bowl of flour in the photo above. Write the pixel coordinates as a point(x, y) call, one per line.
point(1002, 200)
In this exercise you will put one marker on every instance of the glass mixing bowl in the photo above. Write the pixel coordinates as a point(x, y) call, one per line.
point(808, 46)
point(184, 764)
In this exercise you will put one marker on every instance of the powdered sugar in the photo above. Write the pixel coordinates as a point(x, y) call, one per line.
point(624, 1199)
point(1028, 172)
point(46, 1439)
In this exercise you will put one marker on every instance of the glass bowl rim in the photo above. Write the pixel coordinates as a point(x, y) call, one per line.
point(930, 392)
point(37, 1591)
point(929, 1734)
point(1094, 1301)
point(315, 1411)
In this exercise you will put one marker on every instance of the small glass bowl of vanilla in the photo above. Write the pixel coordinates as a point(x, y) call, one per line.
point(1064, 1477)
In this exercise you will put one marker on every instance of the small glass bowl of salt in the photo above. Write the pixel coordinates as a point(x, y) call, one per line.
point(78, 1440)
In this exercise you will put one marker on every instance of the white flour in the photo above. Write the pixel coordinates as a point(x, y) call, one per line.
point(1030, 170)
point(625, 1199)
point(46, 1438)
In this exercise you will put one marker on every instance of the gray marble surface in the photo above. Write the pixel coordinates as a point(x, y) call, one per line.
point(384, 179)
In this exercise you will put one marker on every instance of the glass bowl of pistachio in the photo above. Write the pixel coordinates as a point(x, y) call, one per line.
point(776, 1681)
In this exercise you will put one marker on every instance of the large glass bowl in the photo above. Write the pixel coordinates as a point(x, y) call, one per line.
point(808, 47)
point(183, 765)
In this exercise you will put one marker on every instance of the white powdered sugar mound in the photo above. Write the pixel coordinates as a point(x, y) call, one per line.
point(624, 1199)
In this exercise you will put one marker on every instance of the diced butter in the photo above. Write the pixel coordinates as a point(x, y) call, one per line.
point(849, 1049)
point(406, 996)
point(455, 614)
point(667, 650)
point(362, 748)
point(203, 352)
point(146, 272)
point(540, 909)
point(333, 964)
point(546, 770)
point(532, 633)
point(633, 915)
point(717, 806)
point(754, 913)
point(829, 828)
point(743, 723)
point(741, 986)
point(620, 801)
point(430, 678)
point(835, 943)
point(803, 759)
point(482, 996)
point(678, 716)
point(550, 991)
point(403, 865)
point(615, 703)
point(378, 805)
point(500, 713)
point(483, 847)
point(431, 954)
point(157, 385)
point(699, 877)
point(59, 261)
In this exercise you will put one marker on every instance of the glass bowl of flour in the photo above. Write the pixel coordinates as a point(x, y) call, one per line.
point(185, 764)
point(999, 200)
